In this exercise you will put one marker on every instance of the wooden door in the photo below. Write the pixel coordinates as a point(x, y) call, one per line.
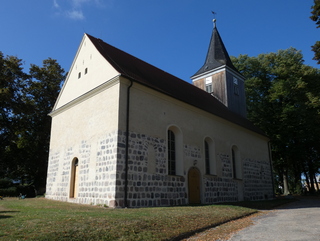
point(194, 185)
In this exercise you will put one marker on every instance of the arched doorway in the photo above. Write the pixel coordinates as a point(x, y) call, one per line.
point(74, 178)
point(194, 185)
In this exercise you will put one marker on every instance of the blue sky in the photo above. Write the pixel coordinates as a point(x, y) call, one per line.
point(173, 35)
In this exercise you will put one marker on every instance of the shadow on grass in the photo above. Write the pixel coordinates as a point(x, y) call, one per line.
point(6, 216)
point(255, 205)
point(282, 202)
point(263, 204)
point(194, 232)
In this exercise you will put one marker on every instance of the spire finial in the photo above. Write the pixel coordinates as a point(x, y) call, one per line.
point(214, 20)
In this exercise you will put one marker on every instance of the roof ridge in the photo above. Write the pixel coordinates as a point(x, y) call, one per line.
point(155, 78)
point(123, 71)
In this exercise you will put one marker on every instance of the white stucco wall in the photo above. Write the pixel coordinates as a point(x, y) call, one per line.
point(84, 120)
point(98, 72)
point(152, 113)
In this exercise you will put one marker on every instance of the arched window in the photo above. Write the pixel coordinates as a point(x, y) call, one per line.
point(174, 145)
point(234, 170)
point(236, 163)
point(209, 156)
point(74, 178)
point(171, 153)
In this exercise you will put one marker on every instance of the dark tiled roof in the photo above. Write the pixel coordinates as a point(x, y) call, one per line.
point(217, 55)
point(157, 79)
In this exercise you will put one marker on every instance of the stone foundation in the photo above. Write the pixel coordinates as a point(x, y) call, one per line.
point(102, 174)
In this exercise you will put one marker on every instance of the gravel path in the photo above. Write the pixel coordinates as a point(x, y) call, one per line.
point(299, 220)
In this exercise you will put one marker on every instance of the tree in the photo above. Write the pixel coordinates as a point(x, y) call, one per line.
point(316, 17)
point(12, 104)
point(43, 88)
point(26, 100)
point(283, 100)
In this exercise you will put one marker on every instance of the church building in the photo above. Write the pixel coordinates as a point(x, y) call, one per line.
point(127, 134)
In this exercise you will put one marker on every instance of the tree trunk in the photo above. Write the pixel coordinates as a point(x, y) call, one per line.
point(307, 180)
point(285, 184)
point(316, 182)
point(311, 190)
point(297, 181)
point(311, 175)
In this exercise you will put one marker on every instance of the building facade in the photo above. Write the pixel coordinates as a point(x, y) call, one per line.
point(127, 134)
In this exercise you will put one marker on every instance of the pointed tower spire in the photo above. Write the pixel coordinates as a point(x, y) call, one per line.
point(217, 54)
point(219, 77)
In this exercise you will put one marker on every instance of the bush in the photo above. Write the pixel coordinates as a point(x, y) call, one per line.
point(16, 190)
point(5, 183)
point(8, 192)
point(26, 190)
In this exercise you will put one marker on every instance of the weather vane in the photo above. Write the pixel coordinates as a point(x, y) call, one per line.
point(214, 20)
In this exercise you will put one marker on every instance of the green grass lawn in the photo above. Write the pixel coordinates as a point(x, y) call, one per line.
point(42, 219)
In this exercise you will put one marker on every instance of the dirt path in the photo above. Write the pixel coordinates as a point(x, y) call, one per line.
point(224, 231)
point(299, 220)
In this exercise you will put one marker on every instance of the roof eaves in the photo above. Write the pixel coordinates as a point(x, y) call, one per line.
point(148, 75)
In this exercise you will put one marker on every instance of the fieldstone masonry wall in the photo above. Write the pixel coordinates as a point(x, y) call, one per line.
point(257, 180)
point(97, 172)
point(153, 187)
point(148, 183)
point(53, 167)
point(102, 174)
point(221, 188)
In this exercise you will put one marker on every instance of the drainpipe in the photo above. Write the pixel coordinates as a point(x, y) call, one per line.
point(127, 147)
point(271, 166)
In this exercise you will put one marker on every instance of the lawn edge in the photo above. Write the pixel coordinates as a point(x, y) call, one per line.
point(196, 231)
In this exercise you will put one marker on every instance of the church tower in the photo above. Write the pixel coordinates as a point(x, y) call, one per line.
point(219, 77)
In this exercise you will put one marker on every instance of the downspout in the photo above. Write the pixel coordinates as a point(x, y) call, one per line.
point(127, 147)
point(271, 167)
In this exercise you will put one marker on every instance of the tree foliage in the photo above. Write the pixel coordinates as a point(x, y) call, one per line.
point(315, 16)
point(283, 99)
point(316, 12)
point(26, 100)
point(12, 81)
